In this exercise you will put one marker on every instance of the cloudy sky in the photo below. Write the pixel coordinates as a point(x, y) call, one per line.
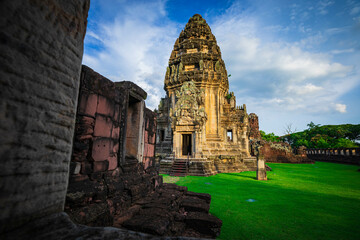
point(291, 61)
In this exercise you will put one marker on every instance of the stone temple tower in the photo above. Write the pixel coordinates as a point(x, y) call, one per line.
point(198, 119)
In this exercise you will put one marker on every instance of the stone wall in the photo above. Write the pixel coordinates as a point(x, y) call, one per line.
point(254, 126)
point(41, 47)
point(336, 155)
point(112, 130)
point(280, 152)
point(149, 139)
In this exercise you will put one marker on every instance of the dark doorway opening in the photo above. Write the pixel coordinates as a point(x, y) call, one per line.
point(186, 144)
point(162, 135)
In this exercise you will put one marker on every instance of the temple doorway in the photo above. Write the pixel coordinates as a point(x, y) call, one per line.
point(186, 144)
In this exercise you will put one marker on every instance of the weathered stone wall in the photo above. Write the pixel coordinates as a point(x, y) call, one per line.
point(281, 152)
point(254, 126)
point(336, 155)
point(101, 183)
point(149, 139)
point(107, 190)
point(41, 47)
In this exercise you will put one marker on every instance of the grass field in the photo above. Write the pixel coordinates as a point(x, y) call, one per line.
point(299, 201)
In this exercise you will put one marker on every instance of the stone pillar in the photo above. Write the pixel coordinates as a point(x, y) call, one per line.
point(41, 50)
point(261, 169)
point(177, 144)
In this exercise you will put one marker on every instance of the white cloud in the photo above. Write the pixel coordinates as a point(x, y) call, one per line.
point(340, 108)
point(350, 50)
point(279, 75)
point(323, 6)
point(355, 10)
point(135, 47)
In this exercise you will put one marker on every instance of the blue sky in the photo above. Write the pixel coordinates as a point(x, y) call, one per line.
point(291, 62)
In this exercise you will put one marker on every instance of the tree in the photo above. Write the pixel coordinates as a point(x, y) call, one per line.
point(289, 129)
point(269, 137)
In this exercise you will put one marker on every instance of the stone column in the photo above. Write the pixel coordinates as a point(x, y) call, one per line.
point(177, 144)
point(41, 50)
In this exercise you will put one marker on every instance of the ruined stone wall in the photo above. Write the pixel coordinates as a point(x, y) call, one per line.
point(254, 126)
point(335, 155)
point(41, 47)
point(98, 123)
point(149, 139)
point(281, 153)
point(101, 183)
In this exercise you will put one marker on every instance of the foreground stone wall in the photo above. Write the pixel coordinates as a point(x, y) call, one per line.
point(113, 180)
point(149, 139)
point(104, 178)
point(41, 47)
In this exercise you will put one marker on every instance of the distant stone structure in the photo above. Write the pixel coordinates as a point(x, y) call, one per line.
point(280, 152)
point(335, 155)
point(199, 119)
point(96, 151)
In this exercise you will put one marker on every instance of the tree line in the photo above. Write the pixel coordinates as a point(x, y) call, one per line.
point(316, 136)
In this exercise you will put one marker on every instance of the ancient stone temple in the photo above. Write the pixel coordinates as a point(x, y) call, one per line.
point(76, 149)
point(199, 119)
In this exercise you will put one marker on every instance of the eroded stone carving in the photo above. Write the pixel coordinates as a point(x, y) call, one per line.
point(188, 109)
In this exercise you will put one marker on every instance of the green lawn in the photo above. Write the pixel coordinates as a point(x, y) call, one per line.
point(299, 201)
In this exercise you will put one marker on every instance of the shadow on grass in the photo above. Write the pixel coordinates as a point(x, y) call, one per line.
point(239, 176)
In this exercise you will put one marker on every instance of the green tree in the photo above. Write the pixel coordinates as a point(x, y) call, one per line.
point(269, 137)
point(344, 143)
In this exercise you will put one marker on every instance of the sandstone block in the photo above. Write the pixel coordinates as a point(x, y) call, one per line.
point(100, 166)
point(152, 138)
point(113, 162)
point(101, 149)
point(204, 196)
point(115, 133)
point(105, 106)
point(88, 104)
point(103, 126)
point(152, 224)
point(204, 223)
point(146, 137)
point(194, 204)
point(84, 127)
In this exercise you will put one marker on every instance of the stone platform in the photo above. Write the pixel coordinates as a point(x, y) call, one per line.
point(207, 167)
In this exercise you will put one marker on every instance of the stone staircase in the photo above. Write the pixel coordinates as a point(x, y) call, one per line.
point(250, 163)
point(179, 168)
point(201, 168)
